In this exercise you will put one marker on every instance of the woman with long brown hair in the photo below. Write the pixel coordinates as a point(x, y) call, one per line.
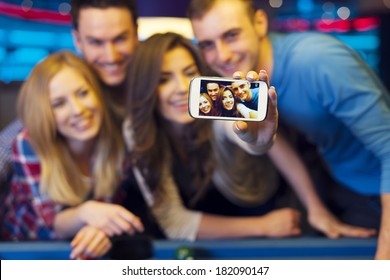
point(179, 161)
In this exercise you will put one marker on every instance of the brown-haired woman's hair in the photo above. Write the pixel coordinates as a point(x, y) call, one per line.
point(61, 180)
point(154, 137)
point(224, 112)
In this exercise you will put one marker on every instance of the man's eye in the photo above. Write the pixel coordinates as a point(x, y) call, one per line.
point(121, 39)
point(205, 45)
point(231, 35)
point(94, 42)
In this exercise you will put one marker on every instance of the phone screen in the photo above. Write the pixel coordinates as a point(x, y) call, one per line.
point(219, 98)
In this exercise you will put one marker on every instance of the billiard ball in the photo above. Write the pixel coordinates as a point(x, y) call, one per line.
point(184, 253)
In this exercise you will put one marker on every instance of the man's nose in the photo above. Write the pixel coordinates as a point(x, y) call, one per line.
point(111, 52)
point(224, 52)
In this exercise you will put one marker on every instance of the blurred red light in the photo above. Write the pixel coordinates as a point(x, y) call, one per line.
point(366, 23)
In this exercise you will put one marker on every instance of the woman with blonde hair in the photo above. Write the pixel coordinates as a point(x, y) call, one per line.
point(65, 190)
point(206, 106)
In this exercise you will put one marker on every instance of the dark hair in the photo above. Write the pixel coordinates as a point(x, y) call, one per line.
point(198, 8)
point(78, 5)
point(154, 137)
point(228, 113)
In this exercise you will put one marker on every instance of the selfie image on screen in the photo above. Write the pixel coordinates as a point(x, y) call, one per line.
point(228, 99)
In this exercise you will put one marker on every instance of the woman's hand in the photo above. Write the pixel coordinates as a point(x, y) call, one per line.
point(90, 242)
point(112, 219)
point(280, 223)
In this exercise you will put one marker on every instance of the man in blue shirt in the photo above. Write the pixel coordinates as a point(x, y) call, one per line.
point(249, 97)
point(325, 91)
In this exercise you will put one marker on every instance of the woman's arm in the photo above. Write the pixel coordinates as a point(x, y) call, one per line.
point(179, 222)
point(112, 219)
point(277, 223)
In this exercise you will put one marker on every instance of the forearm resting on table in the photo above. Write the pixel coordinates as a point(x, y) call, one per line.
point(68, 222)
point(278, 223)
point(219, 227)
point(383, 250)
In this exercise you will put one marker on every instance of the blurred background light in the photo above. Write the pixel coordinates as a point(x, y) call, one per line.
point(343, 12)
point(46, 25)
point(305, 6)
point(328, 7)
point(275, 3)
point(64, 8)
point(26, 5)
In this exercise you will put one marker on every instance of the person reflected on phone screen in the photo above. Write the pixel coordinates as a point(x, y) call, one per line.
point(242, 90)
point(212, 91)
point(206, 107)
point(228, 103)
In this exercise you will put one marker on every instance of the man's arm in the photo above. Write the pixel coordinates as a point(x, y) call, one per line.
point(383, 251)
point(246, 112)
point(258, 136)
point(295, 172)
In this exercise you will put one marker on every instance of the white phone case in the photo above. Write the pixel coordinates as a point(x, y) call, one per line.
point(227, 99)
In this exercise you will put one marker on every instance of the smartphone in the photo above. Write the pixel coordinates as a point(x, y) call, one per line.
point(227, 99)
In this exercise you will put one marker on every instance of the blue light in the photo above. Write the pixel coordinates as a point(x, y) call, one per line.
point(2, 37)
point(3, 53)
point(14, 73)
point(305, 6)
point(26, 56)
point(31, 38)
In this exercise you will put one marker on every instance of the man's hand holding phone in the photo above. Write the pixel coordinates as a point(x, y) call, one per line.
point(264, 132)
point(228, 99)
point(249, 102)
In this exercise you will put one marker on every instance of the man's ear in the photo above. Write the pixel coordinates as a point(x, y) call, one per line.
point(76, 39)
point(136, 29)
point(137, 41)
point(261, 22)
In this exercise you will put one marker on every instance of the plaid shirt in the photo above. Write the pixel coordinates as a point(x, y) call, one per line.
point(7, 136)
point(29, 214)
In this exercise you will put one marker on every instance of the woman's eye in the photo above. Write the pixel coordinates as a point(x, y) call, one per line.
point(83, 93)
point(57, 104)
point(163, 80)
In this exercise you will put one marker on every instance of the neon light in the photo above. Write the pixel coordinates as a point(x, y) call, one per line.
point(34, 14)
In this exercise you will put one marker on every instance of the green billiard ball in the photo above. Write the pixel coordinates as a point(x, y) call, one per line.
point(184, 253)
